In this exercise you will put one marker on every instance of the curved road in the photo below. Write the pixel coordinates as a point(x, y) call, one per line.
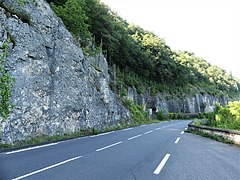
point(154, 151)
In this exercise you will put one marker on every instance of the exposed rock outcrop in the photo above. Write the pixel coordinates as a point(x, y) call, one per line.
point(188, 104)
point(57, 89)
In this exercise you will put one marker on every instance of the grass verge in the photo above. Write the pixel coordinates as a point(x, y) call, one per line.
point(215, 137)
point(43, 139)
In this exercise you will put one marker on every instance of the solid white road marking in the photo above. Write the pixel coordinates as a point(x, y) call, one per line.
point(148, 132)
point(161, 165)
point(127, 129)
point(31, 148)
point(102, 134)
point(177, 140)
point(182, 132)
point(134, 137)
point(46, 168)
point(109, 146)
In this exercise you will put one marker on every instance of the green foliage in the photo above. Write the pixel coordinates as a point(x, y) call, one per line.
point(6, 82)
point(172, 115)
point(137, 112)
point(227, 117)
point(74, 17)
point(57, 2)
point(211, 136)
point(22, 2)
point(161, 115)
point(144, 60)
point(210, 79)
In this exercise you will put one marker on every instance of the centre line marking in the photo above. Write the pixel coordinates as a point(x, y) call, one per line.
point(161, 165)
point(127, 129)
point(173, 129)
point(182, 132)
point(177, 140)
point(148, 132)
point(109, 146)
point(134, 137)
point(46, 168)
point(31, 148)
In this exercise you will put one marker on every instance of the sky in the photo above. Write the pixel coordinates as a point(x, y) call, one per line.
point(209, 28)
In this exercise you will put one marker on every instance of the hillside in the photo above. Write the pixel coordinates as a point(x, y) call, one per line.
point(143, 59)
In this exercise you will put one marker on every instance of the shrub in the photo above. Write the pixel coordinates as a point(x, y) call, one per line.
point(227, 117)
point(161, 115)
point(6, 82)
point(172, 115)
point(137, 112)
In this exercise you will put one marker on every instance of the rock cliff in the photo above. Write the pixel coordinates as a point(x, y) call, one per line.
point(58, 89)
point(188, 104)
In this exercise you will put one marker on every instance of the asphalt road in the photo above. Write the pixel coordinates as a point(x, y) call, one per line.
point(154, 151)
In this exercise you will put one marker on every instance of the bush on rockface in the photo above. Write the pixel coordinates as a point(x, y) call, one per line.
point(6, 82)
point(161, 115)
point(137, 112)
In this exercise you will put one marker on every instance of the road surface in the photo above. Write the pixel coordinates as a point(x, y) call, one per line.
point(153, 151)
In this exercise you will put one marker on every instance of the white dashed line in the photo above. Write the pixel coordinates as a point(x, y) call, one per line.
point(161, 165)
point(173, 129)
point(148, 132)
point(46, 168)
point(158, 128)
point(31, 148)
point(134, 137)
point(143, 125)
point(182, 132)
point(177, 140)
point(109, 146)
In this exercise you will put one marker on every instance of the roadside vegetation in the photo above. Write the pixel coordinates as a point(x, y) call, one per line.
point(42, 139)
point(227, 117)
point(212, 136)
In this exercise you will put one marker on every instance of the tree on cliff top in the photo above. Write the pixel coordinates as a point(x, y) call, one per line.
point(74, 17)
point(142, 53)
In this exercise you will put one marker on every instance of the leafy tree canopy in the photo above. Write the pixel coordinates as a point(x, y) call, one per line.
point(143, 58)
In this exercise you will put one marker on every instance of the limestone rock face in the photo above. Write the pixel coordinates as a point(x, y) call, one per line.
point(58, 89)
point(190, 104)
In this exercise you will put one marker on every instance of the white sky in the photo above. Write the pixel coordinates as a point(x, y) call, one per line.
point(209, 28)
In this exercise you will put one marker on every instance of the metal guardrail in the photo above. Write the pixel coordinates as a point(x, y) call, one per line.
point(228, 134)
point(214, 129)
